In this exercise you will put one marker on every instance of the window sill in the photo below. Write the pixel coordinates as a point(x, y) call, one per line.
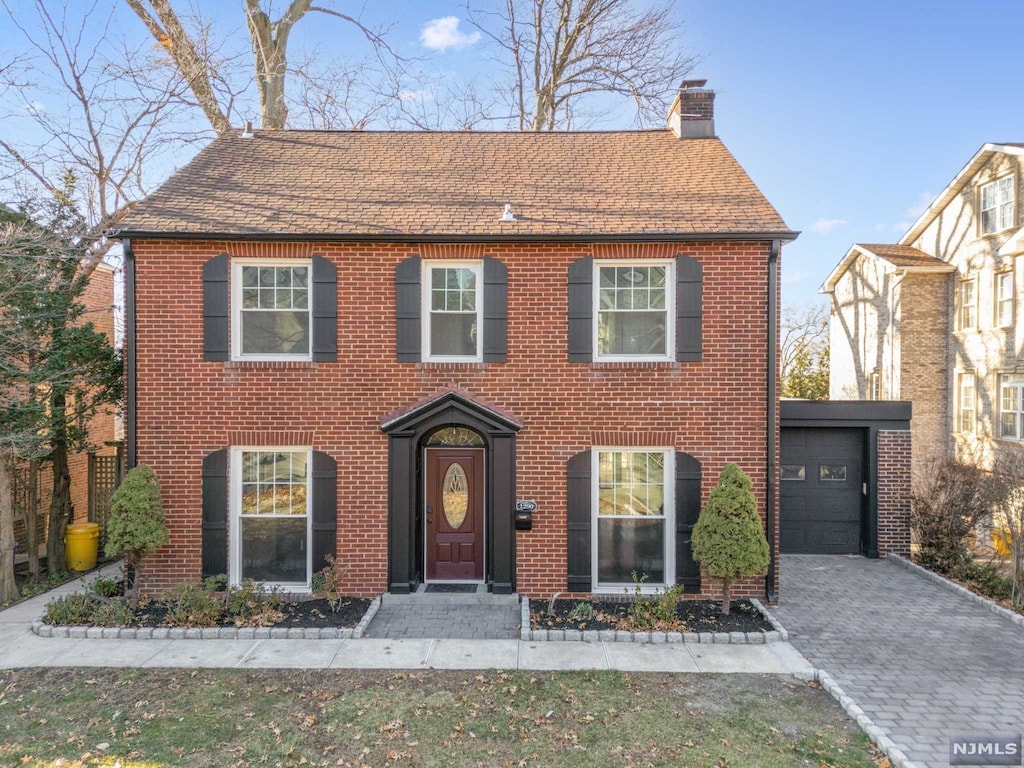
point(429, 365)
point(287, 364)
point(612, 365)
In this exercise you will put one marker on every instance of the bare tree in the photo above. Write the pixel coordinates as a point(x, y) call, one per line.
point(560, 53)
point(804, 350)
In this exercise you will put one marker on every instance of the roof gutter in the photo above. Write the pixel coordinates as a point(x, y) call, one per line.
point(131, 399)
point(404, 237)
point(772, 396)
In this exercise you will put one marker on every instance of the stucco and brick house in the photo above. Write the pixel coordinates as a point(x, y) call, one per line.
point(934, 319)
point(391, 347)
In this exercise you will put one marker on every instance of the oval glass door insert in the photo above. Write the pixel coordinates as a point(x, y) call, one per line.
point(455, 499)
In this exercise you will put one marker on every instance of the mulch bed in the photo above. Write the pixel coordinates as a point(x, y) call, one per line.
point(691, 616)
point(301, 613)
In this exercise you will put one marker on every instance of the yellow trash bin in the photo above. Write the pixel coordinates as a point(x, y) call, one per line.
point(1001, 542)
point(81, 544)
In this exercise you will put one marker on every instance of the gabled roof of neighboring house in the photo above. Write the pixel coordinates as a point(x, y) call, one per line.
point(351, 185)
point(902, 257)
point(952, 189)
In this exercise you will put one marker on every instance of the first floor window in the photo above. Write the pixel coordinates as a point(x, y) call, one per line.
point(997, 203)
point(967, 402)
point(270, 526)
point(453, 312)
point(968, 303)
point(1004, 299)
point(1011, 406)
point(633, 318)
point(632, 516)
point(271, 310)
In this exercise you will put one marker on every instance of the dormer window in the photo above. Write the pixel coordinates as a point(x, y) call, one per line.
point(997, 206)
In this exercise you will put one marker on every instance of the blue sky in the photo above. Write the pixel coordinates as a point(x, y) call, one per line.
point(849, 116)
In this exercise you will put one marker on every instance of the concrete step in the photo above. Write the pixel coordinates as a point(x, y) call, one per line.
point(422, 597)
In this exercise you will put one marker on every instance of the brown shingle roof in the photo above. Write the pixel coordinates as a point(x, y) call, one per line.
point(902, 255)
point(456, 183)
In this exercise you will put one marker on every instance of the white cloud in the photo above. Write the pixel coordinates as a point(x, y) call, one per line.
point(923, 201)
point(794, 277)
point(827, 225)
point(420, 96)
point(442, 34)
point(35, 107)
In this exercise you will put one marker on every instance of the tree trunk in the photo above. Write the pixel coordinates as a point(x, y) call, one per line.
point(32, 520)
point(726, 596)
point(8, 587)
point(60, 510)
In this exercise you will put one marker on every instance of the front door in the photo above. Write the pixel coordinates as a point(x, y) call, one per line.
point(454, 514)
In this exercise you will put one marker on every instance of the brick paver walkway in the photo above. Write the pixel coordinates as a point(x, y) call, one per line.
point(467, 622)
point(923, 662)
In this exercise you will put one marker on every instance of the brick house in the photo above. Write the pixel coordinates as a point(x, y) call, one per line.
point(515, 359)
point(933, 318)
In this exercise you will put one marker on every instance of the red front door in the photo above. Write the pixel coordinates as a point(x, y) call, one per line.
point(455, 514)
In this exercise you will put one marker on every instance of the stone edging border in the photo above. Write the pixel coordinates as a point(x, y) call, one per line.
point(951, 585)
point(212, 633)
point(866, 724)
point(778, 633)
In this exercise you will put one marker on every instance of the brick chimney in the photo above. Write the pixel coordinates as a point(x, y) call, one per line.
point(692, 114)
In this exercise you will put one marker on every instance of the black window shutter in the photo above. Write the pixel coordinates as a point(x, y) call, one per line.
point(687, 511)
point(578, 523)
point(324, 509)
point(325, 310)
point(216, 342)
point(581, 310)
point(689, 308)
point(495, 311)
point(215, 513)
point(407, 310)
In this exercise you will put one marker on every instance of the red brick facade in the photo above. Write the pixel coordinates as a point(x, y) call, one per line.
point(894, 452)
point(714, 410)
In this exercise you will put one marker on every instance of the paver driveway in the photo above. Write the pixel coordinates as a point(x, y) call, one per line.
point(923, 662)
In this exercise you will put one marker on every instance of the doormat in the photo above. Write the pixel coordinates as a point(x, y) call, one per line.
point(452, 588)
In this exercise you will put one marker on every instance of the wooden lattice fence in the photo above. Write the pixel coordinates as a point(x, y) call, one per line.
point(105, 474)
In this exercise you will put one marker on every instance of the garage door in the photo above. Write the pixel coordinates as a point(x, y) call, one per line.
point(820, 491)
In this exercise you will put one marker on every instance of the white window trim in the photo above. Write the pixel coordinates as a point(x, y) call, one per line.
point(1012, 201)
point(670, 309)
point(425, 313)
point(236, 307)
point(1012, 298)
point(961, 378)
point(969, 279)
point(669, 501)
point(1020, 413)
point(235, 508)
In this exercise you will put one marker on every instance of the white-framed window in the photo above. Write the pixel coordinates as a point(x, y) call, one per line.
point(875, 385)
point(633, 517)
point(966, 411)
point(453, 312)
point(271, 316)
point(1011, 406)
point(1004, 299)
point(270, 535)
point(997, 205)
point(635, 317)
point(968, 303)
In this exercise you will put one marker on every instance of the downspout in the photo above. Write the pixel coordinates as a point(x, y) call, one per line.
point(131, 401)
point(773, 311)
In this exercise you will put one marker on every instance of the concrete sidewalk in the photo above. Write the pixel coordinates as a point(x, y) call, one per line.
point(20, 647)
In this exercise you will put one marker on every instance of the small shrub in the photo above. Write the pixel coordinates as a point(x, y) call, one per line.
point(987, 579)
point(104, 587)
point(74, 610)
point(582, 611)
point(252, 605)
point(326, 581)
point(729, 538)
point(136, 526)
point(192, 606)
point(114, 613)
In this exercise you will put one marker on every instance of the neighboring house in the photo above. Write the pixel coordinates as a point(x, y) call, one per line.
point(390, 347)
point(934, 318)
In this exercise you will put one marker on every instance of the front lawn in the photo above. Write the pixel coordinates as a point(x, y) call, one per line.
point(150, 718)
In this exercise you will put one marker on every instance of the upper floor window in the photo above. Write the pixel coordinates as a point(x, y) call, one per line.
point(453, 311)
point(968, 303)
point(967, 403)
point(271, 309)
point(875, 385)
point(997, 205)
point(1011, 407)
point(1004, 299)
point(633, 321)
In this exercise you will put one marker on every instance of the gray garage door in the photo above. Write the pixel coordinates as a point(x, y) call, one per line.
point(820, 491)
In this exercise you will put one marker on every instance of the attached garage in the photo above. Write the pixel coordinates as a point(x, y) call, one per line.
point(829, 476)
